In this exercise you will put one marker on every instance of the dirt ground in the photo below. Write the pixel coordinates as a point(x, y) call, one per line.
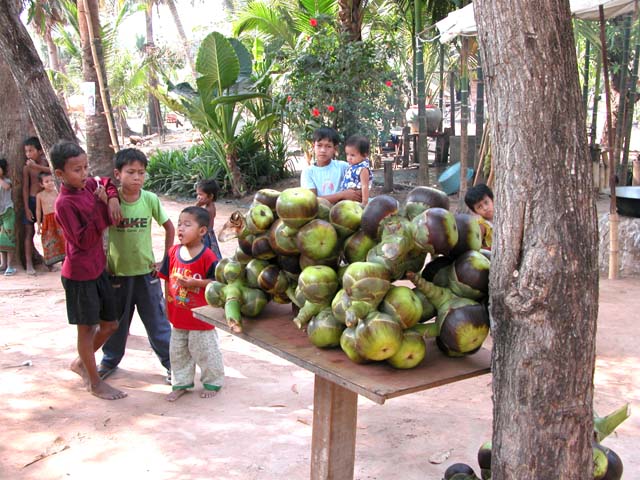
point(259, 427)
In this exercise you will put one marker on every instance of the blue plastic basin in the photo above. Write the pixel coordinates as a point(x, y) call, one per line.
point(450, 178)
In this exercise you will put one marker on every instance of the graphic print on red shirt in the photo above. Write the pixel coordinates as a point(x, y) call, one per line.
point(180, 300)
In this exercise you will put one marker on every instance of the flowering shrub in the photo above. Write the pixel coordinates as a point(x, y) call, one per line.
point(353, 80)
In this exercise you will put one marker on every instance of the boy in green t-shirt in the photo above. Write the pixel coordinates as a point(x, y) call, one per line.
point(132, 264)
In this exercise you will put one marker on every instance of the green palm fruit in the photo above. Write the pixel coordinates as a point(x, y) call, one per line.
point(324, 331)
point(403, 305)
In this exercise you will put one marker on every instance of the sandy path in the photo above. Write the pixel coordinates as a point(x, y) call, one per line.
point(259, 427)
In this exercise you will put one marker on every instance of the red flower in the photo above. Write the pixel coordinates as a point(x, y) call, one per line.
point(289, 98)
point(315, 112)
point(331, 108)
point(388, 83)
point(313, 22)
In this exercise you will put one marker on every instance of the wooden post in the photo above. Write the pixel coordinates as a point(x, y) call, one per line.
point(333, 441)
point(406, 146)
point(613, 215)
point(464, 120)
point(388, 175)
point(614, 221)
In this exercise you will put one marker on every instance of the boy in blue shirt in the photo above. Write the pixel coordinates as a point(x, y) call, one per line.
point(325, 177)
point(132, 264)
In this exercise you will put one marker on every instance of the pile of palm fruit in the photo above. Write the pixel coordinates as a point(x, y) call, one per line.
point(607, 465)
point(360, 276)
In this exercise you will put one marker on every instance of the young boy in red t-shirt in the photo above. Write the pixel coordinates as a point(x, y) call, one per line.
point(187, 269)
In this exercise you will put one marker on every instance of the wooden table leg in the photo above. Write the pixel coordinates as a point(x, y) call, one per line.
point(333, 441)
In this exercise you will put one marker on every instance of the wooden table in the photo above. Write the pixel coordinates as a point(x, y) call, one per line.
point(339, 381)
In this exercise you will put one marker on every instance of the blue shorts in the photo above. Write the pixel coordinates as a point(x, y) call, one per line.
point(90, 301)
point(32, 207)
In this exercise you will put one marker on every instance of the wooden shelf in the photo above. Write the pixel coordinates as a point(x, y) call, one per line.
point(274, 331)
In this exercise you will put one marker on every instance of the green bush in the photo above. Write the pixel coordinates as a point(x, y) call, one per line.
point(261, 167)
point(175, 172)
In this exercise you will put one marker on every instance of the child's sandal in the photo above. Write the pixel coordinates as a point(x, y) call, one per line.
point(10, 272)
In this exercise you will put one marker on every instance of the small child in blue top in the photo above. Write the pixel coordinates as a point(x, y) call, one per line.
point(206, 195)
point(358, 174)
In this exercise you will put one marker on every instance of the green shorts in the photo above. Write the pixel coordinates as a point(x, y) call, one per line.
point(8, 230)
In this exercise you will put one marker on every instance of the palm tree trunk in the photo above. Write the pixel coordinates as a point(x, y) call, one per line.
point(237, 184)
point(153, 104)
point(350, 16)
point(95, 39)
point(422, 153)
point(183, 37)
point(622, 92)
point(99, 149)
point(52, 50)
point(464, 120)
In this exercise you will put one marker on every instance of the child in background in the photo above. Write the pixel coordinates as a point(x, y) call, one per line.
point(325, 177)
point(7, 223)
point(84, 209)
point(132, 263)
point(358, 175)
point(479, 199)
point(187, 269)
point(35, 164)
point(48, 228)
point(206, 196)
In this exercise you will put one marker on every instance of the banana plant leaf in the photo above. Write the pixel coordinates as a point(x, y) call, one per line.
point(244, 59)
point(217, 63)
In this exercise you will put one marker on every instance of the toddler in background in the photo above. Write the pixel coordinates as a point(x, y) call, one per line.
point(206, 196)
point(188, 268)
point(7, 222)
point(358, 174)
point(479, 199)
point(48, 228)
point(35, 164)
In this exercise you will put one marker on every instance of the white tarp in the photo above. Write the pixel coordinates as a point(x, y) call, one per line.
point(588, 9)
point(463, 21)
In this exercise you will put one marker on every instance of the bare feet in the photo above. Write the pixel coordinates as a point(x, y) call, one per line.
point(78, 367)
point(106, 392)
point(176, 394)
point(31, 271)
point(208, 393)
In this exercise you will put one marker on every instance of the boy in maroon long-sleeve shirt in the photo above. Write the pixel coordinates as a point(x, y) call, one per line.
point(84, 209)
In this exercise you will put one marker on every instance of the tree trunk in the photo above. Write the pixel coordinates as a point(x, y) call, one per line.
point(14, 129)
point(229, 7)
point(35, 94)
point(238, 188)
point(464, 122)
point(350, 17)
point(30, 105)
point(422, 155)
point(153, 104)
point(52, 49)
point(544, 276)
point(99, 149)
point(183, 37)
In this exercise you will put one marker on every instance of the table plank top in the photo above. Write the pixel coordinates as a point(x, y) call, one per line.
point(275, 332)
